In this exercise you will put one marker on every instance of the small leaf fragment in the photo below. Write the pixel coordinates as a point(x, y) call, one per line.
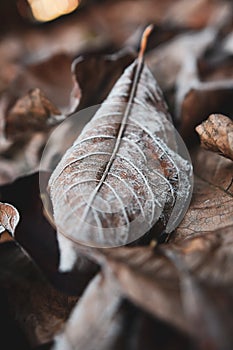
point(216, 134)
point(9, 218)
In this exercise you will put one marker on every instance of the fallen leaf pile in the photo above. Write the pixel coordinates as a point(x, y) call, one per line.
point(163, 291)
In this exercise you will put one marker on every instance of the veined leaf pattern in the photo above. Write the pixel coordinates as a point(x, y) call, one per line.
point(122, 173)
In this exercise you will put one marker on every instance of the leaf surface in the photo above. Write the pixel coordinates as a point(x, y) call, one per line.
point(123, 173)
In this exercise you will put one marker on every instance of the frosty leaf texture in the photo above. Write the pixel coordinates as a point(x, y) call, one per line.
point(123, 174)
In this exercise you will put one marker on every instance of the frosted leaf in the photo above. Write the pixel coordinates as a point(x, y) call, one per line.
point(123, 173)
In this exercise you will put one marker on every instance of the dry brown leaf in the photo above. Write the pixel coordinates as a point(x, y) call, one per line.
point(216, 134)
point(9, 218)
point(38, 237)
point(114, 322)
point(200, 102)
point(201, 81)
point(175, 284)
point(105, 70)
point(201, 91)
point(147, 280)
point(31, 113)
point(211, 209)
point(39, 309)
point(27, 121)
point(213, 169)
point(25, 124)
point(52, 75)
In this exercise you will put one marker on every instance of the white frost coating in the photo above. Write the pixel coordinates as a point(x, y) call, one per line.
point(67, 254)
point(185, 187)
point(107, 195)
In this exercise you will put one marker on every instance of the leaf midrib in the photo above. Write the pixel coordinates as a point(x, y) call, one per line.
point(118, 137)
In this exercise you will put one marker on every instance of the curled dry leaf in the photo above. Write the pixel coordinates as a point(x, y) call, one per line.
point(31, 113)
point(106, 70)
point(216, 134)
point(203, 100)
point(123, 173)
point(9, 218)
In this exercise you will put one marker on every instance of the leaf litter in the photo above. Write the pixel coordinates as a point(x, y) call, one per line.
point(171, 287)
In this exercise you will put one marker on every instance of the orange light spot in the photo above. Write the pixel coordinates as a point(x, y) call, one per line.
point(47, 10)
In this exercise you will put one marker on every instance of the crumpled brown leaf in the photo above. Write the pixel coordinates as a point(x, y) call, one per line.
point(216, 134)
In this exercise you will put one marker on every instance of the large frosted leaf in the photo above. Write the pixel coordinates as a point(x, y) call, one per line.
point(123, 173)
